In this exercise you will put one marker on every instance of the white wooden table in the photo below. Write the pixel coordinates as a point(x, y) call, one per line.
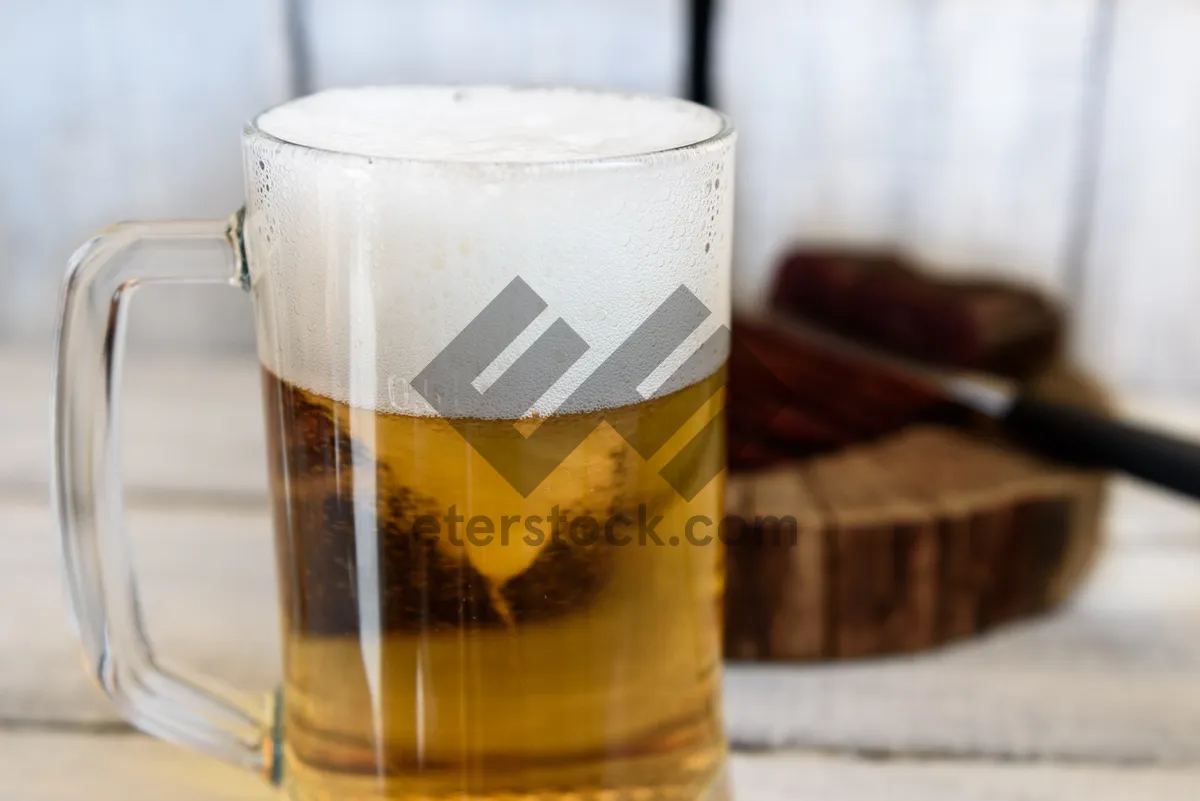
point(1099, 702)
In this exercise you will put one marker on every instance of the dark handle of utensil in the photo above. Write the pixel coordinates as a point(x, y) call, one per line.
point(1088, 439)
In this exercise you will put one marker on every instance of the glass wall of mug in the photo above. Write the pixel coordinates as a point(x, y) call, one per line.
point(492, 326)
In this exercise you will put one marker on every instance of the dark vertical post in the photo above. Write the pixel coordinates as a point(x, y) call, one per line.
point(700, 47)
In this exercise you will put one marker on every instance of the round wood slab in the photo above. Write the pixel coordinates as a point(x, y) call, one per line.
point(928, 535)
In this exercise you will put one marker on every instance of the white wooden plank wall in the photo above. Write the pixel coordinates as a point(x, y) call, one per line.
point(634, 45)
point(955, 129)
point(946, 127)
point(1138, 319)
point(950, 127)
point(116, 109)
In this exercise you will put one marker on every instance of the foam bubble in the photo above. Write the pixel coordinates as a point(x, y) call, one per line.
point(406, 210)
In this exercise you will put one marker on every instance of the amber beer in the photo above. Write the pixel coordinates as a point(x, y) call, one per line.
point(519, 666)
point(448, 635)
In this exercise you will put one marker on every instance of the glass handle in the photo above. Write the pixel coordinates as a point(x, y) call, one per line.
point(87, 492)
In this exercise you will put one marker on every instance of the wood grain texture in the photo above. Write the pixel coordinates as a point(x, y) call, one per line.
point(638, 45)
point(1137, 318)
point(883, 560)
point(776, 591)
point(56, 767)
point(1110, 678)
point(925, 536)
point(801, 776)
point(208, 410)
point(208, 594)
point(190, 426)
point(53, 767)
point(946, 128)
point(125, 109)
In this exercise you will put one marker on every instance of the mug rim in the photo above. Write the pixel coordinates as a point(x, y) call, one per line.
point(726, 131)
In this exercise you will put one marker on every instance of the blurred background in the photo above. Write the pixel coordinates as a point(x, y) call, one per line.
point(1055, 142)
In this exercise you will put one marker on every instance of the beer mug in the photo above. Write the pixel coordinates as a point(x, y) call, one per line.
point(492, 325)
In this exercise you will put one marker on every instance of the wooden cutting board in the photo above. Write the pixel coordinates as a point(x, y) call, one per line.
point(928, 535)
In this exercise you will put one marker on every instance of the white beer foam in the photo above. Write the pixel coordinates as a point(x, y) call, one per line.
point(405, 210)
point(488, 124)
